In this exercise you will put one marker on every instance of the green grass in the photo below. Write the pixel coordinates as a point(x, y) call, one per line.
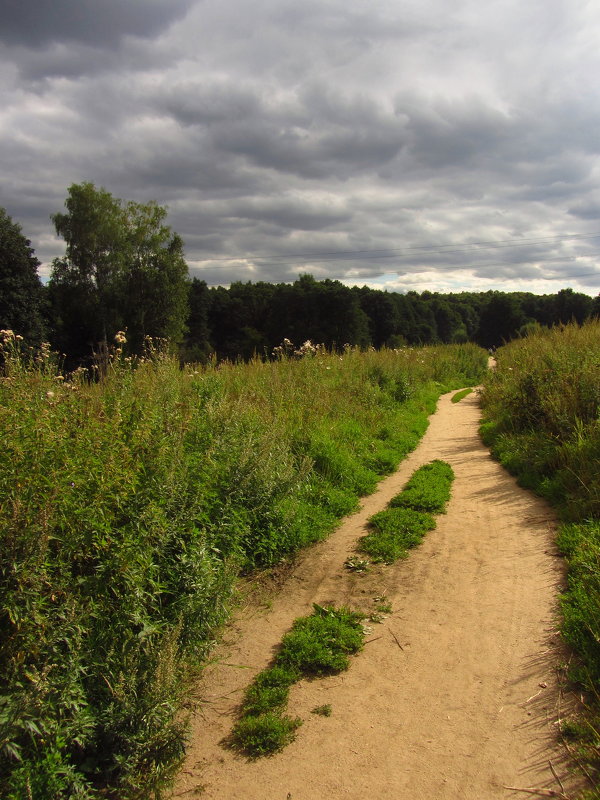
point(265, 734)
point(394, 532)
point(541, 420)
point(317, 645)
point(456, 398)
point(428, 489)
point(402, 526)
point(128, 507)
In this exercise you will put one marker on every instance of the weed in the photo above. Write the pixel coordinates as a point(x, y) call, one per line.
point(129, 505)
point(383, 606)
point(322, 711)
point(428, 489)
point(321, 643)
point(541, 410)
point(265, 734)
point(356, 564)
point(403, 524)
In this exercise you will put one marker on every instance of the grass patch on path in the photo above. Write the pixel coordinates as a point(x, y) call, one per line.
point(456, 398)
point(409, 515)
point(317, 645)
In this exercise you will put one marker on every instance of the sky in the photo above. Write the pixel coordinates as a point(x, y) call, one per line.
point(441, 145)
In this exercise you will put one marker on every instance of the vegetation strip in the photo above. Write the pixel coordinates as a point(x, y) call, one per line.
point(541, 420)
point(456, 398)
point(317, 645)
point(410, 514)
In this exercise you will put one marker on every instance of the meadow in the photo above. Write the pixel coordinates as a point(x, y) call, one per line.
point(542, 421)
point(129, 506)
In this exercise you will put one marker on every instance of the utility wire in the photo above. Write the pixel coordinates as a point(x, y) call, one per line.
point(395, 252)
point(461, 266)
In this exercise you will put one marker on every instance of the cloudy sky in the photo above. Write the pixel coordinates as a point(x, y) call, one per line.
point(405, 144)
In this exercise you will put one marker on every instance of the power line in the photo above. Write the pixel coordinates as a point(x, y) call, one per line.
point(461, 267)
point(396, 252)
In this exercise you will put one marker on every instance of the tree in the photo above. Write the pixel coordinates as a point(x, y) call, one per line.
point(21, 291)
point(123, 269)
point(500, 321)
point(382, 315)
point(327, 312)
point(572, 306)
point(197, 340)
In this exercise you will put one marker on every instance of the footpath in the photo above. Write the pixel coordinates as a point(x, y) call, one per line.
point(455, 695)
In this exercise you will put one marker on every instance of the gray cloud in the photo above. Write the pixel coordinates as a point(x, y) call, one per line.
point(100, 24)
point(394, 135)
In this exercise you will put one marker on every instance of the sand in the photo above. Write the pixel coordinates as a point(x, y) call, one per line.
point(455, 694)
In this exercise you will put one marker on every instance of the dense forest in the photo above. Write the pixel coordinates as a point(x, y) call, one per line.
point(124, 270)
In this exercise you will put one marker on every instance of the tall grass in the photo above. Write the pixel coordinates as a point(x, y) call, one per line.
point(541, 411)
point(129, 505)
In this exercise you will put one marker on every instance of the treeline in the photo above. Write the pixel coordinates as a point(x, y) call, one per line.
point(254, 318)
point(124, 270)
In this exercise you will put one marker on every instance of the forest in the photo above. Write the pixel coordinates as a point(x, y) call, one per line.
point(124, 271)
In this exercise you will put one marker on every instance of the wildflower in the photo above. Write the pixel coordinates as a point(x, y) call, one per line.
point(120, 337)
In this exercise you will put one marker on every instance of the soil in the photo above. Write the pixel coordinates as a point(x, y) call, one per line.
point(456, 693)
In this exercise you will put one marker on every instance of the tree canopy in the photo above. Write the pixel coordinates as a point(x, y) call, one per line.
point(21, 292)
point(123, 269)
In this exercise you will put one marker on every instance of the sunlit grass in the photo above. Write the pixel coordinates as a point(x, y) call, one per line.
point(541, 409)
point(128, 507)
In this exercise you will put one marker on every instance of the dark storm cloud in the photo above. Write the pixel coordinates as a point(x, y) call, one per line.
point(99, 23)
point(275, 128)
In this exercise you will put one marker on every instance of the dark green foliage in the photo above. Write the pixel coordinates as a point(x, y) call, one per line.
point(252, 319)
point(123, 270)
point(319, 644)
point(21, 293)
point(500, 320)
point(197, 347)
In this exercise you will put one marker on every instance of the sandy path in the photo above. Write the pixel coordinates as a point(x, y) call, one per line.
point(454, 696)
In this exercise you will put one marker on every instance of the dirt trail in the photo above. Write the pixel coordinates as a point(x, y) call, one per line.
point(455, 693)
